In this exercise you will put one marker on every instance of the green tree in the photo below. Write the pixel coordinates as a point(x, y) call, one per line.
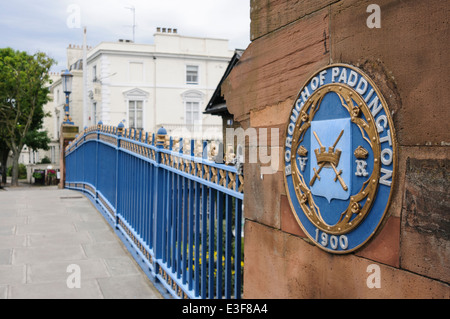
point(4, 151)
point(23, 93)
point(37, 140)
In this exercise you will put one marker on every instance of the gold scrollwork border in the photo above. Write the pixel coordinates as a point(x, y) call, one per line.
point(363, 193)
point(368, 192)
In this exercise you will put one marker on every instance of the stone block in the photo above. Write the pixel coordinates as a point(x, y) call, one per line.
point(262, 199)
point(385, 245)
point(289, 223)
point(271, 116)
point(273, 68)
point(413, 56)
point(298, 270)
point(425, 236)
point(270, 15)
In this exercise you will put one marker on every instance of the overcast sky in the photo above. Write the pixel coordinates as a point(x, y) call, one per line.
point(51, 25)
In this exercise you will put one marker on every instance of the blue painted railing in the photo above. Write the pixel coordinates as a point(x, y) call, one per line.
point(181, 213)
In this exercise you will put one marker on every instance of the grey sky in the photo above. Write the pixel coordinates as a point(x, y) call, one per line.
point(51, 25)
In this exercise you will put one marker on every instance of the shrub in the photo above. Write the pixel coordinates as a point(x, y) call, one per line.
point(22, 171)
point(51, 173)
point(46, 160)
point(37, 175)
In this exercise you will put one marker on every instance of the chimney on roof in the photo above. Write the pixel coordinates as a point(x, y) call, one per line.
point(166, 30)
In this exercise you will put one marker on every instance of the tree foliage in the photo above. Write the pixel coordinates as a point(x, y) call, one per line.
point(24, 91)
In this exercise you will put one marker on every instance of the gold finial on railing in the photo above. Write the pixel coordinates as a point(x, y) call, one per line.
point(167, 142)
point(161, 137)
point(120, 129)
point(176, 145)
point(213, 151)
point(198, 152)
point(186, 146)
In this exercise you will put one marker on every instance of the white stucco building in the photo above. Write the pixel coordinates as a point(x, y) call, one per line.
point(145, 86)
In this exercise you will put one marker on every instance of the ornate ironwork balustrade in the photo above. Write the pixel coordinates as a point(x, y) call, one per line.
point(179, 211)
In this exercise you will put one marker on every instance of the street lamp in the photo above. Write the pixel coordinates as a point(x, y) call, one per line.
point(67, 89)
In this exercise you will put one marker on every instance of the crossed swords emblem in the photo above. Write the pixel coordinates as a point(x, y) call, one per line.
point(329, 158)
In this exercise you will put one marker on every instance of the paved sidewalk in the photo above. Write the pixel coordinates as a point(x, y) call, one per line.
point(44, 230)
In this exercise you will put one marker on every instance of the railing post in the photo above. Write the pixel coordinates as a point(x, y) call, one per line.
point(204, 230)
point(97, 161)
point(159, 195)
point(120, 129)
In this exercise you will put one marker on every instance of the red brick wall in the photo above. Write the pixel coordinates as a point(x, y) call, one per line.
point(408, 59)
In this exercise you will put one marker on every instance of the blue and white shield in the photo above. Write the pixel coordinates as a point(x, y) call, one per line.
point(330, 169)
point(339, 160)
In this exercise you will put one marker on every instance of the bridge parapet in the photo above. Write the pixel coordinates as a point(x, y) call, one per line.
point(175, 200)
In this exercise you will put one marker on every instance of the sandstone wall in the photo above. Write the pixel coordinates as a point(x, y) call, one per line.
point(408, 60)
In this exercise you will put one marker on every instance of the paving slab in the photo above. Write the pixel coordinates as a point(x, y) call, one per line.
point(89, 289)
point(3, 291)
point(7, 229)
point(45, 228)
point(52, 238)
point(12, 274)
point(12, 241)
point(5, 256)
point(60, 270)
point(102, 235)
point(121, 266)
point(127, 287)
point(45, 254)
point(58, 239)
point(103, 250)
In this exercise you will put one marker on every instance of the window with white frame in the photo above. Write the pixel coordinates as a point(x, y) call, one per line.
point(135, 115)
point(136, 102)
point(53, 154)
point(192, 74)
point(94, 74)
point(193, 114)
point(192, 101)
point(94, 113)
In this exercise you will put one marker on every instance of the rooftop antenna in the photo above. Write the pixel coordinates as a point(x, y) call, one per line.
point(133, 9)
